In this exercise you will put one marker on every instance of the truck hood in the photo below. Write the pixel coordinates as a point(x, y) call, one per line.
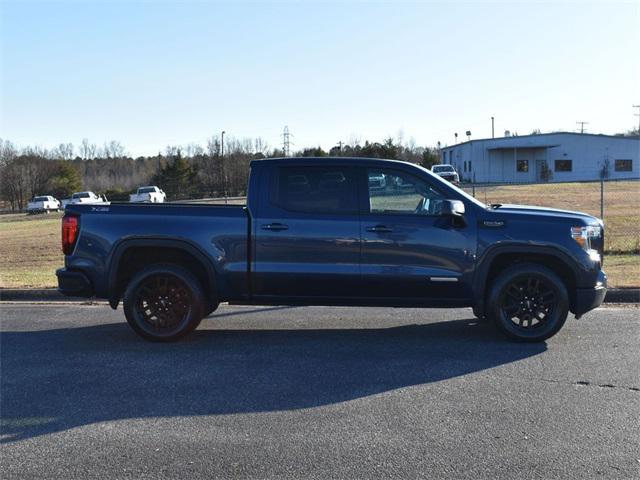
point(544, 212)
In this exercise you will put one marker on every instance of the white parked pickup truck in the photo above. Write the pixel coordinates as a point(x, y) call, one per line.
point(43, 204)
point(84, 198)
point(148, 194)
point(446, 171)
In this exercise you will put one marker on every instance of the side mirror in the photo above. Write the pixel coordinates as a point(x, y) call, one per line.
point(453, 208)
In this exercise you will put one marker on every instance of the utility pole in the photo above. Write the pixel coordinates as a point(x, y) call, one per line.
point(456, 137)
point(224, 170)
point(492, 129)
point(286, 141)
point(582, 124)
point(340, 146)
point(637, 115)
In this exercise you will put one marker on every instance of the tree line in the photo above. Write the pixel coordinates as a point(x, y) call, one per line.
point(191, 171)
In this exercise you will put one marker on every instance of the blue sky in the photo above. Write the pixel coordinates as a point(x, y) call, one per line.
point(151, 74)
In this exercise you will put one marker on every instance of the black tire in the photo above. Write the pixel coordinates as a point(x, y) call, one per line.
point(528, 303)
point(164, 302)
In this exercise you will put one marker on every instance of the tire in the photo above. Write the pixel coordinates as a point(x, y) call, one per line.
point(164, 302)
point(528, 302)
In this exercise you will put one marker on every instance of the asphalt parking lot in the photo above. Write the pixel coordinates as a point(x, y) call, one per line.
point(264, 392)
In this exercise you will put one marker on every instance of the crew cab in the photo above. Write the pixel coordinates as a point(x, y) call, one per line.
point(43, 204)
point(446, 171)
point(150, 194)
point(321, 232)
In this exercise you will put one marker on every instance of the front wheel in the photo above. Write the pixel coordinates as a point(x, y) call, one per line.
point(163, 303)
point(528, 302)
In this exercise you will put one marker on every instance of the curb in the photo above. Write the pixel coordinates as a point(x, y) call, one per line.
point(36, 295)
point(614, 295)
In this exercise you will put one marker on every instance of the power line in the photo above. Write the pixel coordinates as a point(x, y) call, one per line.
point(286, 141)
point(582, 124)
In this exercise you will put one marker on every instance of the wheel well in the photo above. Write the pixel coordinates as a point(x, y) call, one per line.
point(560, 268)
point(135, 259)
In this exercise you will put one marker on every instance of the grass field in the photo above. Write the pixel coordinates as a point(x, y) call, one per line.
point(30, 253)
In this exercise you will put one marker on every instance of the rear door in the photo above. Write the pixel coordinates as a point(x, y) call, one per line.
point(409, 250)
point(307, 233)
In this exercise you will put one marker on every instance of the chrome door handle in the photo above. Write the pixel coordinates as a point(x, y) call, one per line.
point(274, 227)
point(380, 229)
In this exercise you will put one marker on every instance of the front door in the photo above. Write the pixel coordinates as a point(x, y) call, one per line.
point(409, 250)
point(307, 235)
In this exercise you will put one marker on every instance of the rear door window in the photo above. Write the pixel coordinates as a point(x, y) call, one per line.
point(330, 189)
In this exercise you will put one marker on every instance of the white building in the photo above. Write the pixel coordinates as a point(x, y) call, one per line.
point(567, 156)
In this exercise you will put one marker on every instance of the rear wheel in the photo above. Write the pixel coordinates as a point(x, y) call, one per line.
point(528, 302)
point(163, 303)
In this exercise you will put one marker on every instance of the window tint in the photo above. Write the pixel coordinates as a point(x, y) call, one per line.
point(624, 166)
point(146, 190)
point(41, 199)
point(522, 166)
point(316, 189)
point(396, 192)
point(563, 165)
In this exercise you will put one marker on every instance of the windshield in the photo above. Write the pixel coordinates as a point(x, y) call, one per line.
point(146, 190)
point(80, 195)
point(40, 199)
point(443, 168)
point(451, 186)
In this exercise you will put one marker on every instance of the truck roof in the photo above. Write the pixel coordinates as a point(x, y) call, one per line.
point(327, 161)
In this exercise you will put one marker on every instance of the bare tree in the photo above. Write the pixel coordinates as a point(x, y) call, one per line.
point(64, 151)
point(87, 150)
point(113, 149)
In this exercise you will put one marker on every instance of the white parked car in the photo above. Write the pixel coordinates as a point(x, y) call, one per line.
point(148, 194)
point(447, 172)
point(44, 203)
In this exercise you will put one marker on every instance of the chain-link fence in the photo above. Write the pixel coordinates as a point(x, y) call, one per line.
point(616, 201)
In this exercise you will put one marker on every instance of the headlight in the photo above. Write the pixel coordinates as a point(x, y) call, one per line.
point(584, 235)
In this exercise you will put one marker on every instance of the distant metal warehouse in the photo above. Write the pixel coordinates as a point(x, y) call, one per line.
point(555, 157)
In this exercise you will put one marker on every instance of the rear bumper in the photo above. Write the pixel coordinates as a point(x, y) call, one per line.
point(73, 283)
point(589, 298)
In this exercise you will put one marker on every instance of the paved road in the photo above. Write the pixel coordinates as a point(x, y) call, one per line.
point(318, 393)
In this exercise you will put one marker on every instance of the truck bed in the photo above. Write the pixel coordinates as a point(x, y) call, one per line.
point(220, 232)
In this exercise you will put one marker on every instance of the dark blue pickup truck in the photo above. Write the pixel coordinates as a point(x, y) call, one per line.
point(337, 231)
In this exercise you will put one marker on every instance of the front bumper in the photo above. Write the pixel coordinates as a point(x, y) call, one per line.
point(73, 283)
point(589, 298)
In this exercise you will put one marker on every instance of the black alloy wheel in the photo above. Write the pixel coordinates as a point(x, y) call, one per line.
point(164, 302)
point(528, 302)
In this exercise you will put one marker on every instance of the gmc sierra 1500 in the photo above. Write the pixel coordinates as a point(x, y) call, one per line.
point(336, 231)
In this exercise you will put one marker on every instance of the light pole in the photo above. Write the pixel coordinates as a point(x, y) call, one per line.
point(224, 170)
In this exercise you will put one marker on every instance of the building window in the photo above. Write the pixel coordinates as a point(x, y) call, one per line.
point(563, 165)
point(624, 165)
point(465, 166)
point(522, 166)
point(469, 165)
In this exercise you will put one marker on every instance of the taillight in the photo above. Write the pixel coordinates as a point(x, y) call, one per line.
point(69, 233)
